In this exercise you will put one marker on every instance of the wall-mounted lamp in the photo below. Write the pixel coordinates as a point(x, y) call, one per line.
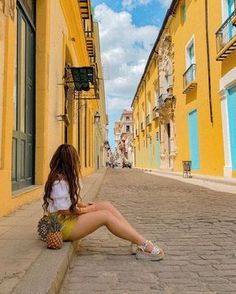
point(97, 117)
point(82, 77)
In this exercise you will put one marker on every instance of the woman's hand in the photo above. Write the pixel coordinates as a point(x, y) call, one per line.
point(89, 208)
point(82, 205)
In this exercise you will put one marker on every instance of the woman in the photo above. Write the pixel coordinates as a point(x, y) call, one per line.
point(62, 195)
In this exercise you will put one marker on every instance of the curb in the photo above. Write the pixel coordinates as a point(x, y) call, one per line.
point(47, 272)
point(211, 185)
point(212, 179)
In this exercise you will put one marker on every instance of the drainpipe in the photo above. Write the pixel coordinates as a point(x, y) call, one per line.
point(208, 60)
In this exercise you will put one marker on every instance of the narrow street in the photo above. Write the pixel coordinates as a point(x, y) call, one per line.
point(195, 226)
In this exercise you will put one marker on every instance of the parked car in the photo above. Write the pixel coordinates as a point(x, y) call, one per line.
point(117, 164)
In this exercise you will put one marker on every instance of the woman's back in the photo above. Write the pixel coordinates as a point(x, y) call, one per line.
point(60, 196)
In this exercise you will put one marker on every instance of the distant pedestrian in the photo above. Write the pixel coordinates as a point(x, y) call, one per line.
point(62, 197)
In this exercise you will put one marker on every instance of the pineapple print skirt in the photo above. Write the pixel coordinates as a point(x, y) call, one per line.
point(67, 225)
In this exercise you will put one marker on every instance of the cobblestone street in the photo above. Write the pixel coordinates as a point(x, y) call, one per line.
point(195, 226)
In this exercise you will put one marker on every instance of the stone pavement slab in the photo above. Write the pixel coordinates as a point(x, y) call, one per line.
point(26, 265)
point(194, 225)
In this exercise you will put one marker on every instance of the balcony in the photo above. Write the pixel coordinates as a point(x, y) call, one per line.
point(85, 8)
point(155, 114)
point(148, 119)
point(189, 78)
point(142, 126)
point(162, 98)
point(226, 37)
point(89, 36)
point(233, 21)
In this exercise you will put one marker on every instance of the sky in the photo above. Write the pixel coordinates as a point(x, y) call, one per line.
point(128, 30)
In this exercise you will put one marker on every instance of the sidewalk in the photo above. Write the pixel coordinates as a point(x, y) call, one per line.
point(26, 266)
point(218, 184)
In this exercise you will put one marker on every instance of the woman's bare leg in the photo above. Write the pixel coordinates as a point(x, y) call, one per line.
point(105, 205)
point(90, 222)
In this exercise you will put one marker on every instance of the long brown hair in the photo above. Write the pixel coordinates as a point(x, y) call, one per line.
point(65, 164)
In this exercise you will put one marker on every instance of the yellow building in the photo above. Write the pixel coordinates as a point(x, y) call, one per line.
point(40, 44)
point(101, 130)
point(193, 91)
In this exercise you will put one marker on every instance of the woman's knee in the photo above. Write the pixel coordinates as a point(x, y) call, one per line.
point(106, 215)
point(108, 206)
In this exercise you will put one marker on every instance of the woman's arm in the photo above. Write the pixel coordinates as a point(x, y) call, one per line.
point(78, 210)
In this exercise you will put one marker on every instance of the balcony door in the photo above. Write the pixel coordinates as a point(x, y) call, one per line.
point(24, 99)
point(231, 8)
point(191, 61)
point(232, 124)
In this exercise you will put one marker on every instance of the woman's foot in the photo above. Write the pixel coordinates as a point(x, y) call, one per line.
point(148, 251)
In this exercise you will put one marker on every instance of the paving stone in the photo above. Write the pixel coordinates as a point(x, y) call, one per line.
point(194, 225)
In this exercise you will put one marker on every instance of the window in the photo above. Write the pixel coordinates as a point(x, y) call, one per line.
point(29, 6)
point(184, 11)
point(157, 98)
point(127, 129)
point(143, 113)
point(127, 118)
point(190, 54)
point(190, 61)
point(231, 6)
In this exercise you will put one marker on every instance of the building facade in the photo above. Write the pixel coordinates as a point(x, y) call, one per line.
point(101, 129)
point(40, 108)
point(189, 87)
point(123, 132)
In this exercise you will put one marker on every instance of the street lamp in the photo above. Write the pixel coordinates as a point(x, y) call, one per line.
point(97, 117)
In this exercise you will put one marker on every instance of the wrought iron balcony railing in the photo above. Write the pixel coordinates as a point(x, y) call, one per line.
point(89, 35)
point(162, 98)
point(226, 37)
point(189, 79)
point(155, 113)
point(142, 126)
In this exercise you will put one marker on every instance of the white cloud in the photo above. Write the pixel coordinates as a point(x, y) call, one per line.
point(118, 104)
point(125, 49)
point(131, 4)
point(165, 3)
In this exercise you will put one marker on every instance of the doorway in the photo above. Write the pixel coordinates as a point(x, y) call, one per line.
point(23, 140)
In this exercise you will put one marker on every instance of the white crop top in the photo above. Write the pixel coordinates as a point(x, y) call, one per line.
point(60, 195)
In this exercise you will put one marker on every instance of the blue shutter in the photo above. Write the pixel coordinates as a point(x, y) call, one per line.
point(232, 123)
point(193, 140)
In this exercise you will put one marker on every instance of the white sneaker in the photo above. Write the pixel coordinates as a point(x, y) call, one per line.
point(155, 255)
